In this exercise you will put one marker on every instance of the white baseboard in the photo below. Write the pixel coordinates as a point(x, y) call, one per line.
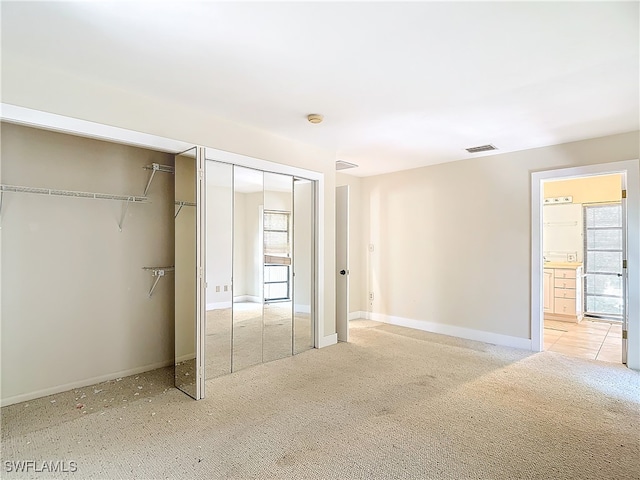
point(302, 308)
point(82, 383)
point(357, 316)
point(328, 340)
point(247, 298)
point(219, 305)
point(184, 358)
point(451, 330)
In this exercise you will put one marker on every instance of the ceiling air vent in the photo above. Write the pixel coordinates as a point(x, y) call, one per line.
point(341, 165)
point(481, 148)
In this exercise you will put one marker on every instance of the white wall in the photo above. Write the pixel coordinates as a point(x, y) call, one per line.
point(219, 241)
point(34, 86)
point(453, 241)
point(303, 246)
point(75, 304)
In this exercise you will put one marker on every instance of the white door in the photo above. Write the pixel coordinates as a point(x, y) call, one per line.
point(342, 263)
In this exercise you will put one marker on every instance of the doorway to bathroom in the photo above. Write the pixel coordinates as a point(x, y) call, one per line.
point(582, 237)
point(585, 253)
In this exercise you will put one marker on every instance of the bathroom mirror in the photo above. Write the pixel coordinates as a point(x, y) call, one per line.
point(219, 270)
point(278, 248)
point(303, 264)
point(247, 267)
point(186, 274)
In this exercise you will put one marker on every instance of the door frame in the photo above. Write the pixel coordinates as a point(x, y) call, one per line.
point(630, 169)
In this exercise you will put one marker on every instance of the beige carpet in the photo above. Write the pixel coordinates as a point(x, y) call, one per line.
point(393, 403)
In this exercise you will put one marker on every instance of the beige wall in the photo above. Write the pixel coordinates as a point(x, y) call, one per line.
point(453, 241)
point(22, 85)
point(75, 303)
point(597, 189)
point(357, 250)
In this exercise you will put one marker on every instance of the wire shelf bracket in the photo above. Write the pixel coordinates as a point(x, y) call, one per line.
point(183, 204)
point(156, 167)
point(158, 273)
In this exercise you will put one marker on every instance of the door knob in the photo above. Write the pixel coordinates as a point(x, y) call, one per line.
point(343, 272)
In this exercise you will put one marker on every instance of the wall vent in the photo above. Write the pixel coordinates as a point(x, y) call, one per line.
point(481, 148)
point(341, 165)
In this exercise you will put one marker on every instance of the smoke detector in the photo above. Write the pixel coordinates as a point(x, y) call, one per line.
point(481, 148)
point(315, 118)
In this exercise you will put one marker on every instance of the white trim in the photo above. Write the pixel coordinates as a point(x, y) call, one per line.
point(83, 383)
point(632, 170)
point(328, 340)
point(223, 156)
point(218, 305)
point(59, 123)
point(452, 330)
point(357, 315)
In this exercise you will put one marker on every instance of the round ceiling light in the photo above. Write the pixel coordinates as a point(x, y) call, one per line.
point(315, 118)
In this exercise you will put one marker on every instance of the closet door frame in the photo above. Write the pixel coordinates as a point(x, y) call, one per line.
point(319, 338)
point(201, 292)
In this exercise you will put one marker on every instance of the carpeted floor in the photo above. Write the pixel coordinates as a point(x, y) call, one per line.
point(393, 403)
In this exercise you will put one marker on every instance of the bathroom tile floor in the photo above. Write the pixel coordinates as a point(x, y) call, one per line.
point(593, 339)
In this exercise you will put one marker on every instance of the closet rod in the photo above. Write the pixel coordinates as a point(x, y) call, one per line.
point(72, 193)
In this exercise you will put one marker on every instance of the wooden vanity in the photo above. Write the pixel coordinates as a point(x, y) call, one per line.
point(562, 289)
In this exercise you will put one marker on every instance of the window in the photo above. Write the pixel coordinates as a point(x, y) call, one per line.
point(603, 261)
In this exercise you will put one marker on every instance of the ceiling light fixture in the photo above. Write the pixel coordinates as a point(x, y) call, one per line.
point(315, 118)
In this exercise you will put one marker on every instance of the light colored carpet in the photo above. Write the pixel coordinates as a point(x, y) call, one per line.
point(393, 403)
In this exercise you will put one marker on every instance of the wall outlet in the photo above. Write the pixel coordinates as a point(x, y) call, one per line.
point(572, 257)
point(226, 288)
point(217, 288)
point(371, 296)
point(371, 247)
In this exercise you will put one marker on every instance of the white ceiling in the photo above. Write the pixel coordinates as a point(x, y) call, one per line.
point(401, 85)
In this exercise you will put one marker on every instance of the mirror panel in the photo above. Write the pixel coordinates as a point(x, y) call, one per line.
point(219, 270)
point(303, 264)
point(277, 225)
point(247, 267)
point(186, 274)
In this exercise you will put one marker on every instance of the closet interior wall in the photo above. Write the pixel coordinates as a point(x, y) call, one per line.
point(75, 297)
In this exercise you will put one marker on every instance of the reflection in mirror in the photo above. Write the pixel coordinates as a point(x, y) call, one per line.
point(185, 274)
point(278, 315)
point(303, 247)
point(219, 247)
point(247, 267)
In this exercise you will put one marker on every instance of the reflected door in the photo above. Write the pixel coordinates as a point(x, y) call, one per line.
point(248, 258)
point(189, 309)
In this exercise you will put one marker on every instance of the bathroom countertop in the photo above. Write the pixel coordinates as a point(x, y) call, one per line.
point(562, 264)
